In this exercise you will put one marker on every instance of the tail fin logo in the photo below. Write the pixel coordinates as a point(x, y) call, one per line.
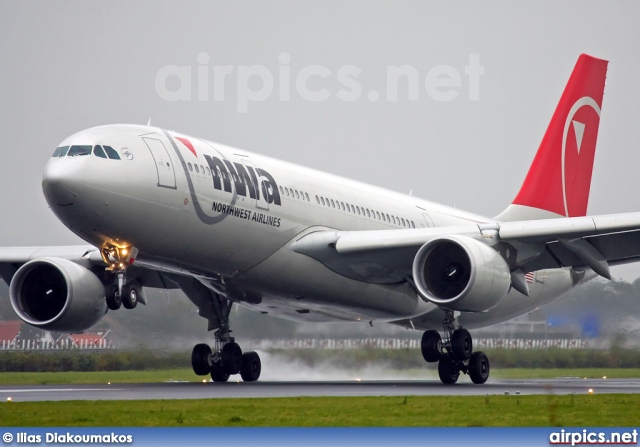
point(578, 151)
point(559, 178)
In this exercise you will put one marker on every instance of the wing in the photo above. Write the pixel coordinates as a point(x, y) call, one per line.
point(12, 258)
point(87, 256)
point(387, 256)
point(90, 283)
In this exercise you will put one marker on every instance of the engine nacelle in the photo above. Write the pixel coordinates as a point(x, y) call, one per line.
point(57, 295)
point(461, 273)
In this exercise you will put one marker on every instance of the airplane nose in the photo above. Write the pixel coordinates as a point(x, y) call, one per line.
point(62, 180)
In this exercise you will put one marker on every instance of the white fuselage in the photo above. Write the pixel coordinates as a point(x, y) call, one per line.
point(226, 215)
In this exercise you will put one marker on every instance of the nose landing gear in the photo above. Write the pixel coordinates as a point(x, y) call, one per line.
point(121, 293)
point(454, 353)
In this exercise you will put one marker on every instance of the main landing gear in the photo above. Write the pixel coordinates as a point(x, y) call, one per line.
point(225, 359)
point(454, 353)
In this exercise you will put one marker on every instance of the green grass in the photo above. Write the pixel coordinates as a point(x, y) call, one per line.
point(513, 410)
point(399, 411)
point(590, 373)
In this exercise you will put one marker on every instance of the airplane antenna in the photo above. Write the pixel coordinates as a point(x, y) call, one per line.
point(411, 192)
point(149, 122)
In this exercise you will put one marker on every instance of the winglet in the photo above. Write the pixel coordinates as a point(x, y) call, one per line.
point(559, 179)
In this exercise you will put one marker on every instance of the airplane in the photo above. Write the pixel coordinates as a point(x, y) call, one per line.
point(161, 209)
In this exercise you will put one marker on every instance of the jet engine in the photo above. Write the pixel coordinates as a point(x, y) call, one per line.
point(57, 295)
point(460, 273)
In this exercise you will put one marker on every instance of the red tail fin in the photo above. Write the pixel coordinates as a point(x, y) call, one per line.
point(559, 178)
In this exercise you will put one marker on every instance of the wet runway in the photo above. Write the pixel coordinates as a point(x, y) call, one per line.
point(198, 390)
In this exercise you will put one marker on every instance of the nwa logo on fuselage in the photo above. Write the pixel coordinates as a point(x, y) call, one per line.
point(245, 179)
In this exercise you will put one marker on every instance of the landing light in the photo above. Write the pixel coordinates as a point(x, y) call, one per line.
point(590, 390)
point(604, 377)
point(8, 399)
point(204, 381)
point(125, 251)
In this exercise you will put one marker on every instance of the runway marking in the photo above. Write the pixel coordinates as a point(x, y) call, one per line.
point(40, 390)
point(196, 390)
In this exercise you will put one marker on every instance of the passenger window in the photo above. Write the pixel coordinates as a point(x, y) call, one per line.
point(322, 198)
point(79, 150)
point(342, 205)
point(333, 205)
point(287, 191)
point(307, 196)
point(383, 219)
point(368, 213)
point(99, 152)
point(190, 167)
point(202, 169)
point(297, 195)
point(61, 151)
point(111, 153)
point(281, 191)
point(402, 220)
point(413, 225)
point(197, 170)
point(353, 209)
point(378, 214)
point(318, 200)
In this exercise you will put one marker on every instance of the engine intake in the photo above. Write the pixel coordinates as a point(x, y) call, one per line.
point(57, 295)
point(460, 273)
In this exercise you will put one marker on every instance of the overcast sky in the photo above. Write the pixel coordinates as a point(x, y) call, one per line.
point(67, 66)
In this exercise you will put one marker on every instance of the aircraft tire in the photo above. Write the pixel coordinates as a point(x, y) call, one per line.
point(430, 346)
point(479, 368)
point(231, 356)
point(217, 373)
point(251, 366)
point(200, 358)
point(448, 370)
point(461, 345)
point(130, 298)
point(114, 299)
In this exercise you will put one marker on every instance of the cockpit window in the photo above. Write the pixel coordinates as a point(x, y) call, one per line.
point(99, 152)
point(79, 150)
point(61, 151)
point(111, 153)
